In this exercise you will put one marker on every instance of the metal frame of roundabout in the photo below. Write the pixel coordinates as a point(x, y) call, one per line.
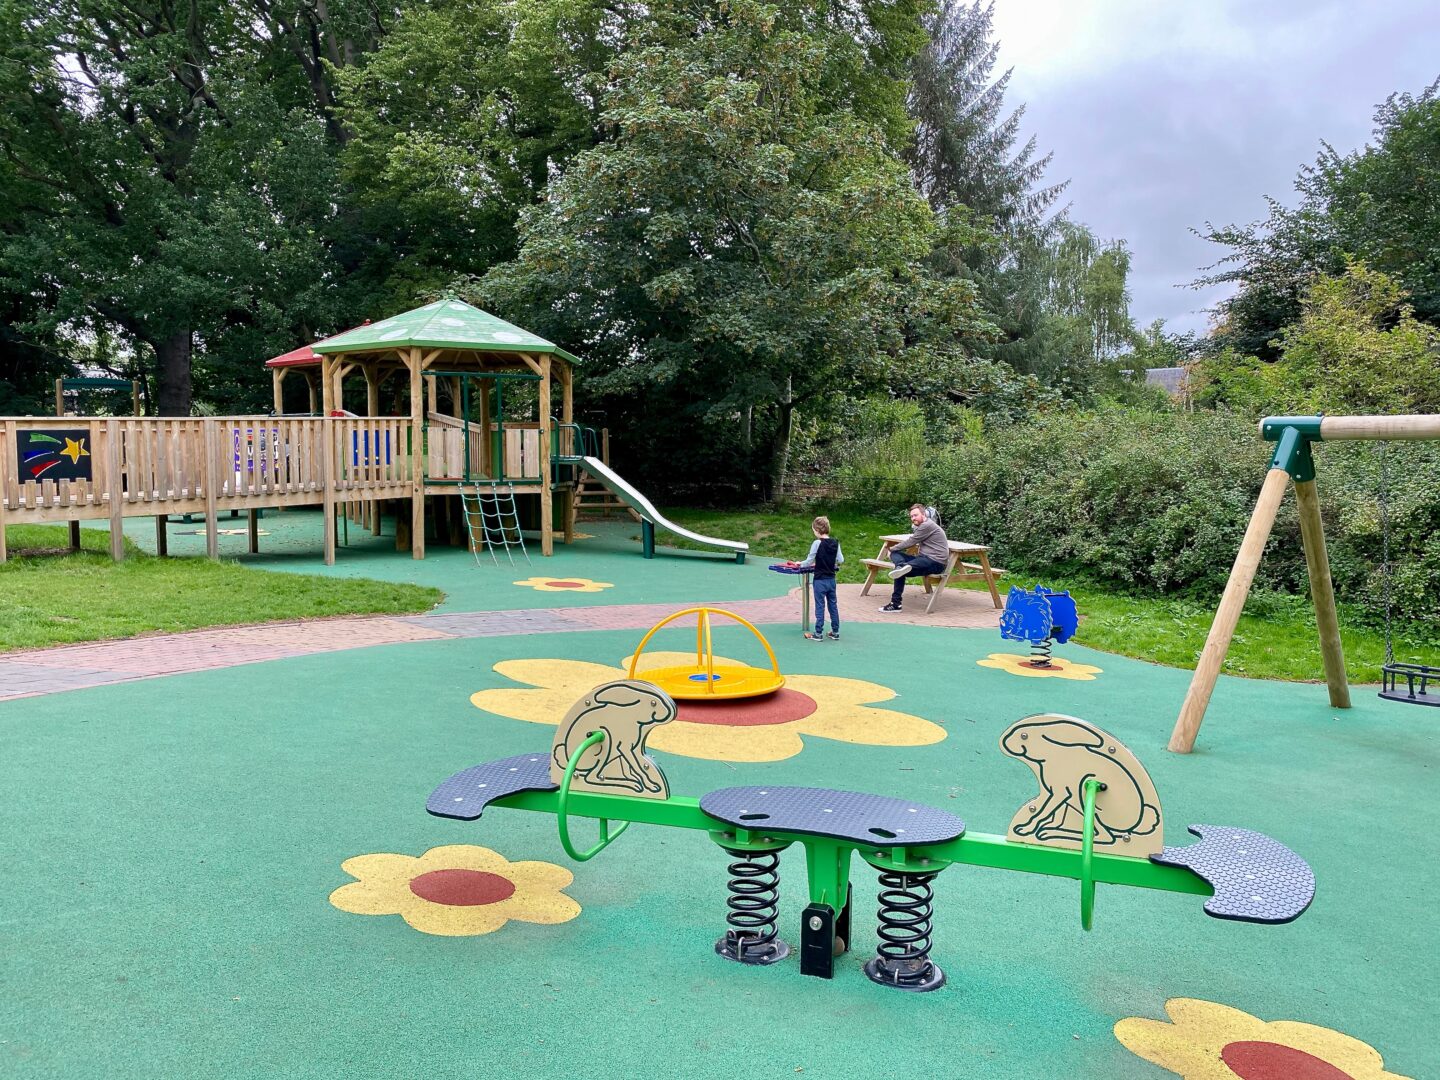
point(1246, 876)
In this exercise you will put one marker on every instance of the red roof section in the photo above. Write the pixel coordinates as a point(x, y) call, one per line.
point(304, 354)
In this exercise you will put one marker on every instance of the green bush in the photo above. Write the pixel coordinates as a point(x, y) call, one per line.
point(1158, 502)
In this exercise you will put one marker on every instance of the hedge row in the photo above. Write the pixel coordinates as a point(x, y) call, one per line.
point(1157, 502)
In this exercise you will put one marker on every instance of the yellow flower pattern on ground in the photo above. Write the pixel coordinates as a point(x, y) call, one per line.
point(770, 728)
point(1059, 669)
point(555, 584)
point(1206, 1041)
point(456, 891)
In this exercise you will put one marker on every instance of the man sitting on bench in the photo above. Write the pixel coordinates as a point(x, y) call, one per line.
point(934, 547)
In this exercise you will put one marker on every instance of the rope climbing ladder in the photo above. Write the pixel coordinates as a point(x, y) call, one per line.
point(491, 518)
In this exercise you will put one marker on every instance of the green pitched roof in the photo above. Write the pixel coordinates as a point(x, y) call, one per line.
point(445, 324)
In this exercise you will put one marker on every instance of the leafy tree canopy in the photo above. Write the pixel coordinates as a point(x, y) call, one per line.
point(1380, 204)
point(746, 238)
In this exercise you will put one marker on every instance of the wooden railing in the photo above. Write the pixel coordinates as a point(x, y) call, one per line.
point(125, 467)
point(445, 450)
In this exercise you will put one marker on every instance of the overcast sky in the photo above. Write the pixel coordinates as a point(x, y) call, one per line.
point(1165, 114)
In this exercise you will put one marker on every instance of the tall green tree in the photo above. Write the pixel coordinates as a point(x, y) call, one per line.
point(746, 238)
point(1380, 203)
point(459, 120)
point(964, 151)
point(169, 171)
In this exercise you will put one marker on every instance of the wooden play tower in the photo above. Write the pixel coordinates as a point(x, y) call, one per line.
point(459, 367)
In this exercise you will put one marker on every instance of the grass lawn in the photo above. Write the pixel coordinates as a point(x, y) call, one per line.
point(50, 596)
point(1275, 640)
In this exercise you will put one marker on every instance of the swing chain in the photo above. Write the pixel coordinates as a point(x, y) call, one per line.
point(1385, 552)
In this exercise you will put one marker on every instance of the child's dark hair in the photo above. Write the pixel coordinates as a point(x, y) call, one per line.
point(821, 525)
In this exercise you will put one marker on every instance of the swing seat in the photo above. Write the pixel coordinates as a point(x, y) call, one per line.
point(1416, 688)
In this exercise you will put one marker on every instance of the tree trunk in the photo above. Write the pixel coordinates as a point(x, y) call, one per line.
point(780, 446)
point(172, 375)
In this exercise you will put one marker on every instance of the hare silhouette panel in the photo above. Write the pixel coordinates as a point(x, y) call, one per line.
point(1063, 752)
point(625, 711)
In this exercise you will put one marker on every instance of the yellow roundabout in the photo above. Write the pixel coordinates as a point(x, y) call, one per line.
point(704, 680)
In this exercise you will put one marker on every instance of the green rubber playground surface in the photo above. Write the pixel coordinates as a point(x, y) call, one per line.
point(171, 845)
point(610, 553)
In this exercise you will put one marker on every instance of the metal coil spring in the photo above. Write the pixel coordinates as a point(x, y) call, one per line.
point(753, 902)
point(904, 931)
point(1040, 653)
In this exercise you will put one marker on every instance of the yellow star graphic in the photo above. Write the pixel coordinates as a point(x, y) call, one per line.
point(74, 451)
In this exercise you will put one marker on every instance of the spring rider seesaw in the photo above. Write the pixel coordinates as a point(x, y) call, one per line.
point(1096, 818)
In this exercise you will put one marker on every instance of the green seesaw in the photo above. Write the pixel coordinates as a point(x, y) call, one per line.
point(1095, 818)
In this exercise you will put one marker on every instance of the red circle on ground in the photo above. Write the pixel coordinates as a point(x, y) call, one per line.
point(462, 888)
point(781, 707)
point(566, 584)
point(1272, 1061)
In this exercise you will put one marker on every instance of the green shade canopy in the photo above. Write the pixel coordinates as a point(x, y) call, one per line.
point(445, 324)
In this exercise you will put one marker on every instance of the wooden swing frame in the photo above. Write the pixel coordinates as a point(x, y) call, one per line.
point(1292, 436)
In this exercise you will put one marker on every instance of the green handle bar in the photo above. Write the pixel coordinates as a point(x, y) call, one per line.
point(561, 813)
point(1089, 790)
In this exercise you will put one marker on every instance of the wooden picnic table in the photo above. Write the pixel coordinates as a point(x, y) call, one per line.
point(935, 584)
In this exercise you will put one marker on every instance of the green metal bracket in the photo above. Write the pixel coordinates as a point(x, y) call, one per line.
point(1089, 790)
point(1292, 436)
point(562, 808)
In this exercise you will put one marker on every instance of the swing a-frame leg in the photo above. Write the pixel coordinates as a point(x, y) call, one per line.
point(1292, 436)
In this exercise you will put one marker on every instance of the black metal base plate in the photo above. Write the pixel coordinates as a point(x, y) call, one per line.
point(734, 947)
point(888, 973)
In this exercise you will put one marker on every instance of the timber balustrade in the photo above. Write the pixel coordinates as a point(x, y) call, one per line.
point(138, 466)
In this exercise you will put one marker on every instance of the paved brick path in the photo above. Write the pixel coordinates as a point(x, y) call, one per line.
point(71, 667)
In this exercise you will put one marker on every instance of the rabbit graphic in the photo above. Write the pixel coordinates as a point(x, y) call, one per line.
point(1063, 752)
point(625, 711)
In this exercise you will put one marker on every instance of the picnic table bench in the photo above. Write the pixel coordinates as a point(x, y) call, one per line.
point(935, 584)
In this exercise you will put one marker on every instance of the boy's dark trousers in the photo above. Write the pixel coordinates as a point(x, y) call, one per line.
point(824, 590)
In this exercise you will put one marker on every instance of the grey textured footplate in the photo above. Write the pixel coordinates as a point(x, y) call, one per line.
point(842, 815)
point(1256, 879)
point(466, 794)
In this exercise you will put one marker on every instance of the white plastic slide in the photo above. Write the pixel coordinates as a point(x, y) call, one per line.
point(652, 517)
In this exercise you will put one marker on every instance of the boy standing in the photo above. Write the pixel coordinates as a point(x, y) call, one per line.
point(934, 552)
point(825, 556)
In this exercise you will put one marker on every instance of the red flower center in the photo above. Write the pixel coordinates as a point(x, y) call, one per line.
point(462, 888)
point(566, 584)
point(1272, 1061)
point(781, 707)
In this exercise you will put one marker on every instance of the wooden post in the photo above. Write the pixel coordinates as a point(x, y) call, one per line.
point(60, 411)
point(115, 483)
point(1322, 593)
point(605, 446)
point(327, 388)
point(1227, 615)
point(212, 489)
point(277, 379)
point(327, 472)
point(6, 437)
point(417, 456)
point(1373, 428)
point(310, 385)
point(135, 396)
point(162, 537)
point(487, 456)
point(547, 487)
point(254, 529)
